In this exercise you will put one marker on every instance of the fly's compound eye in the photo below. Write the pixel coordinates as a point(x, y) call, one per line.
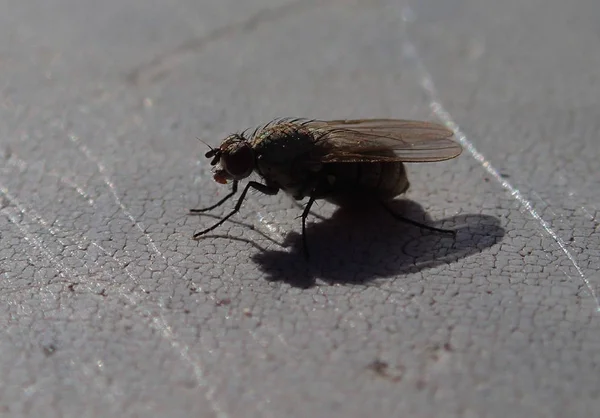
point(238, 161)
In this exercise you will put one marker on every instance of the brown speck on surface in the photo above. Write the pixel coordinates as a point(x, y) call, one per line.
point(49, 349)
point(223, 302)
point(382, 369)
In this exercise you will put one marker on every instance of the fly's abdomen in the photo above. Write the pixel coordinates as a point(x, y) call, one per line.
point(381, 179)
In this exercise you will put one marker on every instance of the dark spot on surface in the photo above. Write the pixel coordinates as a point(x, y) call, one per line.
point(223, 302)
point(49, 349)
point(448, 347)
point(504, 175)
point(189, 383)
point(71, 287)
point(379, 366)
point(102, 293)
point(382, 369)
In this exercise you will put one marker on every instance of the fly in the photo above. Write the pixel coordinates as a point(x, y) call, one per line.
point(336, 160)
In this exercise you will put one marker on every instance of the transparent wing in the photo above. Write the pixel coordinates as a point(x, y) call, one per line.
point(369, 140)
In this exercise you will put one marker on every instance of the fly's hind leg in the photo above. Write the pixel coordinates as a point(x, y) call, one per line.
point(401, 218)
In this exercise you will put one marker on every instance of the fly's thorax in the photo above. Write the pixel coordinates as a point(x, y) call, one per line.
point(382, 180)
point(284, 157)
point(283, 143)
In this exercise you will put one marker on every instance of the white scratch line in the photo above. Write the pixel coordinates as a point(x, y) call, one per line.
point(140, 226)
point(21, 165)
point(185, 353)
point(157, 321)
point(426, 82)
point(61, 269)
point(56, 233)
point(72, 184)
point(162, 325)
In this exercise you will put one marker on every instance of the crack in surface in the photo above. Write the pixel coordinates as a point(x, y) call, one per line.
point(159, 322)
point(164, 63)
point(132, 298)
point(60, 268)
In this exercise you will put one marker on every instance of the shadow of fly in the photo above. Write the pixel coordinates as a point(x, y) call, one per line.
point(337, 160)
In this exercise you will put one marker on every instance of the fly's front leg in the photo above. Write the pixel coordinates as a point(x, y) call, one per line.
point(269, 190)
point(234, 189)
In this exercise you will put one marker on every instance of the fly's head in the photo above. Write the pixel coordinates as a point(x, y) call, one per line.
point(233, 160)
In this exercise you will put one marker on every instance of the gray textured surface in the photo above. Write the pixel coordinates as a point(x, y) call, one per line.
point(109, 309)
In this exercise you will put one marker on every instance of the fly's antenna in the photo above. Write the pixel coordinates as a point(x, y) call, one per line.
point(214, 153)
point(211, 148)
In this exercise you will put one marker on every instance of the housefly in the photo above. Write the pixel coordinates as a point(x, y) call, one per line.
point(335, 160)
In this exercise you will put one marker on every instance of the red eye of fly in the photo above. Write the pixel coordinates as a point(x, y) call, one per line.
point(239, 162)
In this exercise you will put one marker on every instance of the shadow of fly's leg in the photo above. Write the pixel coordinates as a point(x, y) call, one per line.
point(255, 185)
point(234, 189)
point(304, 216)
point(415, 223)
